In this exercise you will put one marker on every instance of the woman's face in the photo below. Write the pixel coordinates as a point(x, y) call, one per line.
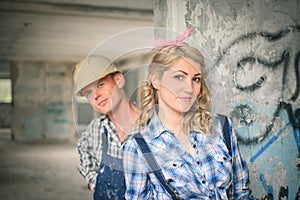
point(179, 86)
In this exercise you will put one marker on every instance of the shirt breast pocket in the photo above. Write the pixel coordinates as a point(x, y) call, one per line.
point(177, 172)
point(223, 158)
point(223, 167)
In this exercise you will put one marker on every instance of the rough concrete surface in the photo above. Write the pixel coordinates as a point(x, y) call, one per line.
point(43, 171)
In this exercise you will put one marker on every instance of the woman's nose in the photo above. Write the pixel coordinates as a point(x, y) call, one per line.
point(189, 86)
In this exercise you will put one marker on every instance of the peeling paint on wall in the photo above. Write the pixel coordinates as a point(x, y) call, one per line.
point(265, 109)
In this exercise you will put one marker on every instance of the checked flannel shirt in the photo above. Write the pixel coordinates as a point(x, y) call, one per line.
point(89, 147)
point(207, 176)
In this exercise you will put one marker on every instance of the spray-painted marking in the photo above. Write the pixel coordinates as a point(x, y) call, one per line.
point(297, 138)
point(268, 188)
point(268, 144)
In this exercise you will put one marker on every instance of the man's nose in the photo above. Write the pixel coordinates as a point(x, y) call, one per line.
point(96, 93)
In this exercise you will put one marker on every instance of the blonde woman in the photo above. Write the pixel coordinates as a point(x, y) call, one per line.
point(183, 136)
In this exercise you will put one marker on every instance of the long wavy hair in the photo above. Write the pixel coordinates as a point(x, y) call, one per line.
point(199, 117)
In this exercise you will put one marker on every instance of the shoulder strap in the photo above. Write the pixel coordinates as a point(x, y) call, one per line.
point(153, 163)
point(226, 132)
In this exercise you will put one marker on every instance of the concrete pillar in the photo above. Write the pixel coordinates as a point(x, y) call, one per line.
point(252, 50)
point(42, 101)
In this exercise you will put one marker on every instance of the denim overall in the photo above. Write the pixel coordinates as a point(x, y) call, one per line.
point(110, 184)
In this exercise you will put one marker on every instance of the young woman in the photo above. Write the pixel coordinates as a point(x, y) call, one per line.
point(183, 135)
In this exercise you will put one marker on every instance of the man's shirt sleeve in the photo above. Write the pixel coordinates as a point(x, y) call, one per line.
point(88, 156)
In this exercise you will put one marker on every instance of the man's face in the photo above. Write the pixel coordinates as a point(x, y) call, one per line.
point(103, 94)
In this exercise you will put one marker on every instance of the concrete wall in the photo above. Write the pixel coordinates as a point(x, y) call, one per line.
point(254, 76)
point(42, 101)
point(5, 115)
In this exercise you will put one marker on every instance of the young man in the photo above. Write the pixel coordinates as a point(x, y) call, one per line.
point(99, 146)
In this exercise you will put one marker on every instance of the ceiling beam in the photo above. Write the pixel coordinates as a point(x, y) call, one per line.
point(116, 9)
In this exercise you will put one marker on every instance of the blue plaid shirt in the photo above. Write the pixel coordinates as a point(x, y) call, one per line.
point(207, 176)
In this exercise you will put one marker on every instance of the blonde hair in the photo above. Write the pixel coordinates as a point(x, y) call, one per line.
point(199, 117)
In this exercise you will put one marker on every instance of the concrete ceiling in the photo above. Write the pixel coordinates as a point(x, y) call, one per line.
point(65, 30)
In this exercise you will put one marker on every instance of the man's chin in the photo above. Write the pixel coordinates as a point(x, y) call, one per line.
point(102, 111)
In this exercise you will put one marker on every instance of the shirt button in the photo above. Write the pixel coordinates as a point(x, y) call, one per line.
point(224, 158)
point(194, 146)
point(210, 196)
point(198, 162)
point(203, 181)
point(170, 180)
point(174, 164)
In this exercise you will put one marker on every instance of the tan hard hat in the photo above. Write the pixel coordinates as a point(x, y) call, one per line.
point(90, 69)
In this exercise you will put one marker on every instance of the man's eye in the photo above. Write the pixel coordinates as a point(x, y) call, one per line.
point(179, 77)
point(88, 93)
point(99, 85)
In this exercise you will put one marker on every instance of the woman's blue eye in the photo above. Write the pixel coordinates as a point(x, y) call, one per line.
point(196, 79)
point(179, 77)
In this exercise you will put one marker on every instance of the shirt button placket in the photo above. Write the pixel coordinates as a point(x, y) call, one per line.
point(211, 190)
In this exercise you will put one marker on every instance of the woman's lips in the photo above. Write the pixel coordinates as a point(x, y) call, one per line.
point(187, 99)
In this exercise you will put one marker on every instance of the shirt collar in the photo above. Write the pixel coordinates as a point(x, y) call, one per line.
point(156, 127)
point(102, 117)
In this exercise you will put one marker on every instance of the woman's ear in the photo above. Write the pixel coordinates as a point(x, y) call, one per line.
point(120, 80)
point(155, 81)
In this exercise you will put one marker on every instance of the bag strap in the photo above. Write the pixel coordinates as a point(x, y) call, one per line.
point(153, 164)
point(226, 132)
point(226, 135)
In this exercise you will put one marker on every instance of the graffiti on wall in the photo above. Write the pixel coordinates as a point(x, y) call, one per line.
point(58, 107)
point(266, 77)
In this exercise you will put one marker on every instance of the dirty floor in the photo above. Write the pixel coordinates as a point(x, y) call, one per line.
point(42, 171)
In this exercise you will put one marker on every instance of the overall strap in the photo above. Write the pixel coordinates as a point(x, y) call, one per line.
point(226, 132)
point(106, 159)
point(153, 164)
point(104, 140)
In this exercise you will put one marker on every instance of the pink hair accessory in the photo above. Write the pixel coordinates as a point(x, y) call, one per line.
point(159, 43)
